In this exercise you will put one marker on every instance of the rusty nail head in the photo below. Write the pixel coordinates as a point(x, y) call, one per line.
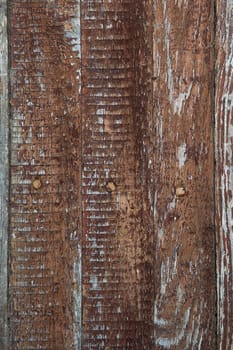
point(111, 187)
point(180, 192)
point(36, 184)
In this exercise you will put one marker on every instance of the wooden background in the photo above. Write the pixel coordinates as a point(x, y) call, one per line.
point(116, 174)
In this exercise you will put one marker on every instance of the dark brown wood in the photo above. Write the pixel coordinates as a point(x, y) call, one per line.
point(45, 196)
point(112, 222)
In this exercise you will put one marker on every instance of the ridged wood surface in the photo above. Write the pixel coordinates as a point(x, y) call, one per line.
point(112, 207)
point(45, 225)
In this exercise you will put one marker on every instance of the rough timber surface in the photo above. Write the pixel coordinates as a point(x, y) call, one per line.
point(224, 171)
point(3, 173)
point(178, 166)
point(112, 200)
point(45, 175)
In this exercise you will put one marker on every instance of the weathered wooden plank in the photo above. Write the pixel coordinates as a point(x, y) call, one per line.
point(177, 153)
point(4, 171)
point(112, 229)
point(224, 171)
point(45, 228)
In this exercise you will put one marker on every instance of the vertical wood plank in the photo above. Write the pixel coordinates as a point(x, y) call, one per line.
point(178, 166)
point(4, 179)
point(114, 308)
point(224, 171)
point(45, 228)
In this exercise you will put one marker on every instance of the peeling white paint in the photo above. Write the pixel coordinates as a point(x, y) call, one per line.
point(167, 29)
point(224, 181)
point(73, 31)
point(181, 155)
point(160, 225)
point(159, 322)
point(77, 295)
point(167, 343)
point(181, 2)
point(178, 103)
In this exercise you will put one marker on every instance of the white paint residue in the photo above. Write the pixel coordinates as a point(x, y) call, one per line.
point(177, 55)
point(99, 307)
point(170, 206)
point(158, 321)
point(179, 101)
point(155, 203)
point(77, 295)
point(168, 274)
point(180, 2)
point(181, 155)
point(74, 31)
point(100, 111)
point(167, 26)
point(179, 296)
point(196, 335)
point(160, 132)
point(224, 159)
point(160, 233)
point(94, 282)
point(168, 342)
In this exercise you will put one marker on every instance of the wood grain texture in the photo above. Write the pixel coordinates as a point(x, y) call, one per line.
point(224, 171)
point(45, 227)
point(178, 167)
point(4, 173)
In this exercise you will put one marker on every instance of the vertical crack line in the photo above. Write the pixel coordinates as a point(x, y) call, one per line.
point(213, 112)
point(4, 175)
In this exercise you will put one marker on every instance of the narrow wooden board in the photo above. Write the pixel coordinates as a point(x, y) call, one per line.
point(4, 173)
point(112, 197)
point(179, 172)
point(45, 228)
point(224, 170)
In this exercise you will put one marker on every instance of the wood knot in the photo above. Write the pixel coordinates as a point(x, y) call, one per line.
point(36, 184)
